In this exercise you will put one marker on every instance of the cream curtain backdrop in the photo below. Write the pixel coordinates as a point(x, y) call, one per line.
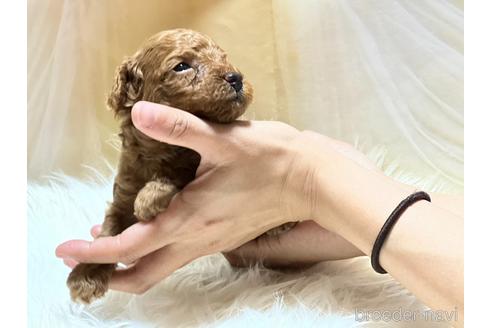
point(385, 75)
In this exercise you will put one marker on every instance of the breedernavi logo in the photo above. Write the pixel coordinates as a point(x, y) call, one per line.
point(406, 315)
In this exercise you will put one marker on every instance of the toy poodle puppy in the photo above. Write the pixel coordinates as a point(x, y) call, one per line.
point(180, 68)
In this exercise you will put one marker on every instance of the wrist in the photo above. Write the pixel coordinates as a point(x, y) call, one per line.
point(300, 185)
point(341, 192)
point(355, 202)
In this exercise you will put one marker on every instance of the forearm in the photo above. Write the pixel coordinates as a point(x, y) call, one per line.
point(424, 251)
point(451, 203)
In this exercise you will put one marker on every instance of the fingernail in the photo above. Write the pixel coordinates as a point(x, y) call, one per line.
point(59, 253)
point(61, 250)
point(144, 114)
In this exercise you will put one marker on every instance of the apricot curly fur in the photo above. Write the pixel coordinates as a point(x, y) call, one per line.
point(151, 172)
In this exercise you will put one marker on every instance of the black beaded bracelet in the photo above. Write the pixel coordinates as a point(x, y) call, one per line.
point(388, 225)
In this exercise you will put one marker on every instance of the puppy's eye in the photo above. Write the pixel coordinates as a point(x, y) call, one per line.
point(181, 67)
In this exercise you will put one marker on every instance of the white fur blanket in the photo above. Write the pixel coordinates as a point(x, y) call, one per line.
point(207, 292)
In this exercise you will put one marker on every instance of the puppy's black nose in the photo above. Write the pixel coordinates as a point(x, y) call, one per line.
point(235, 80)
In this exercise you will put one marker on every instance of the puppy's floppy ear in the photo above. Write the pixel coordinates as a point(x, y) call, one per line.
point(127, 88)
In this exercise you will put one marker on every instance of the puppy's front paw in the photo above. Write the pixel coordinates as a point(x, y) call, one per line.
point(89, 281)
point(153, 199)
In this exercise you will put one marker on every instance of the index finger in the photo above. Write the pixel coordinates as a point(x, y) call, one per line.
point(136, 241)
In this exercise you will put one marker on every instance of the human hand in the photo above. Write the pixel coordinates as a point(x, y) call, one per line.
point(304, 245)
point(249, 181)
point(307, 243)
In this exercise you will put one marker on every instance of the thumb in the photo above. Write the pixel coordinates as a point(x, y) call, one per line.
point(176, 127)
point(264, 250)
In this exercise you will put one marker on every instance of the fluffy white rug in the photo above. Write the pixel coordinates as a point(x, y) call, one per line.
point(207, 292)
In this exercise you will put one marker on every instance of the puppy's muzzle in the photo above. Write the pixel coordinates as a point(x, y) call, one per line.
point(235, 80)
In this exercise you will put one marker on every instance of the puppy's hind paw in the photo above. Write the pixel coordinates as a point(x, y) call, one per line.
point(88, 282)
